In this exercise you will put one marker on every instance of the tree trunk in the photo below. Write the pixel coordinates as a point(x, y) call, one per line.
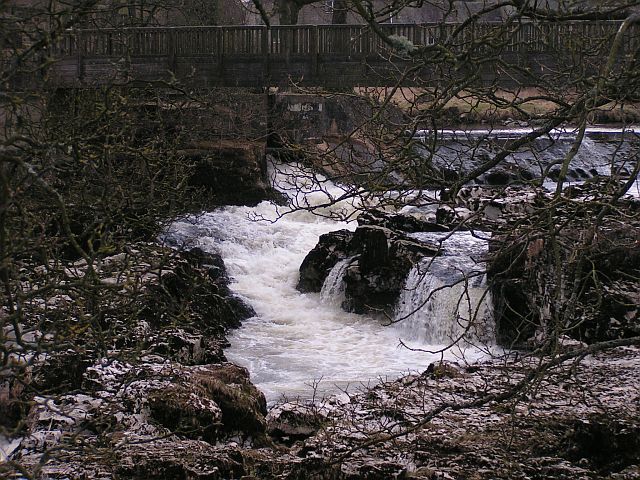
point(288, 11)
point(339, 12)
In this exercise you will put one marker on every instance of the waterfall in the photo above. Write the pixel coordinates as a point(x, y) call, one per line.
point(297, 344)
point(333, 288)
point(603, 150)
point(445, 298)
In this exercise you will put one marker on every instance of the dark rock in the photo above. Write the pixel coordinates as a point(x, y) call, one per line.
point(291, 422)
point(373, 245)
point(198, 285)
point(243, 406)
point(401, 222)
point(186, 409)
point(374, 281)
point(375, 277)
point(490, 204)
point(212, 261)
point(232, 172)
point(179, 459)
point(609, 446)
point(379, 470)
point(61, 371)
point(187, 347)
point(331, 248)
point(601, 268)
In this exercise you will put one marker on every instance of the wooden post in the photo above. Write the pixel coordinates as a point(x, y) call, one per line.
point(171, 50)
point(79, 55)
point(264, 47)
point(313, 50)
point(221, 53)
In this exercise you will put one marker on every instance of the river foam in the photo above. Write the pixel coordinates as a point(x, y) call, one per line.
point(297, 344)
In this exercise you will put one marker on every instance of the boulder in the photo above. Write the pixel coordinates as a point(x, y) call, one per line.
point(243, 406)
point(186, 409)
point(232, 172)
point(382, 259)
point(210, 402)
point(173, 458)
point(293, 421)
point(593, 292)
point(491, 204)
point(403, 222)
point(374, 281)
point(331, 248)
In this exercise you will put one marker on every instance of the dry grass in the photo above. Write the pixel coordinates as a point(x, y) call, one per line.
point(469, 108)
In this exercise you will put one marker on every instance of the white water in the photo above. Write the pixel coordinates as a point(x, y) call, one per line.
point(333, 288)
point(445, 298)
point(296, 339)
point(8, 446)
point(556, 133)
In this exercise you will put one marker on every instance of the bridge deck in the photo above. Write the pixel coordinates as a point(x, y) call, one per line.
point(321, 55)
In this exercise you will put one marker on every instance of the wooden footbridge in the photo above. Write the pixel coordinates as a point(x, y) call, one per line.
point(326, 55)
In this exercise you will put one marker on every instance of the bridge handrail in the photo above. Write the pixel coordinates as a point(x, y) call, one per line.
point(325, 39)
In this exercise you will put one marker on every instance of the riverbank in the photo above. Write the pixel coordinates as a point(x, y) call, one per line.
point(122, 373)
point(503, 107)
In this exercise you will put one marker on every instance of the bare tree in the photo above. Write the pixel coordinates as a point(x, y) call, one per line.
point(80, 182)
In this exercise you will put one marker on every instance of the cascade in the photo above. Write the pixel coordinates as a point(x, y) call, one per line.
point(333, 288)
point(297, 344)
point(305, 344)
point(463, 150)
point(445, 298)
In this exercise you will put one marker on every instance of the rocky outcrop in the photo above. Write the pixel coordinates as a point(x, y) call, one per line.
point(376, 277)
point(486, 206)
point(177, 458)
point(290, 422)
point(146, 420)
point(331, 248)
point(409, 223)
point(580, 281)
point(157, 372)
point(230, 172)
point(561, 430)
point(380, 261)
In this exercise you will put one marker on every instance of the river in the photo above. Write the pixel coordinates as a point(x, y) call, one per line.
point(305, 345)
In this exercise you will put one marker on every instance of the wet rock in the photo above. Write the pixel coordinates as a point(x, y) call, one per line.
point(600, 267)
point(372, 243)
point(446, 215)
point(82, 402)
point(375, 279)
point(331, 248)
point(196, 284)
point(210, 401)
point(292, 421)
point(145, 404)
point(376, 275)
point(443, 370)
point(233, 172)
point(403, 222)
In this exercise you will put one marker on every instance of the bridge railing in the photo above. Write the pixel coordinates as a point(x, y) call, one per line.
point(350, 40)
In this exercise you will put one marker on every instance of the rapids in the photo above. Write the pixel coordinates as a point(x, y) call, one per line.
point(305, 345)
point(445, 298)
point(298, 345)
